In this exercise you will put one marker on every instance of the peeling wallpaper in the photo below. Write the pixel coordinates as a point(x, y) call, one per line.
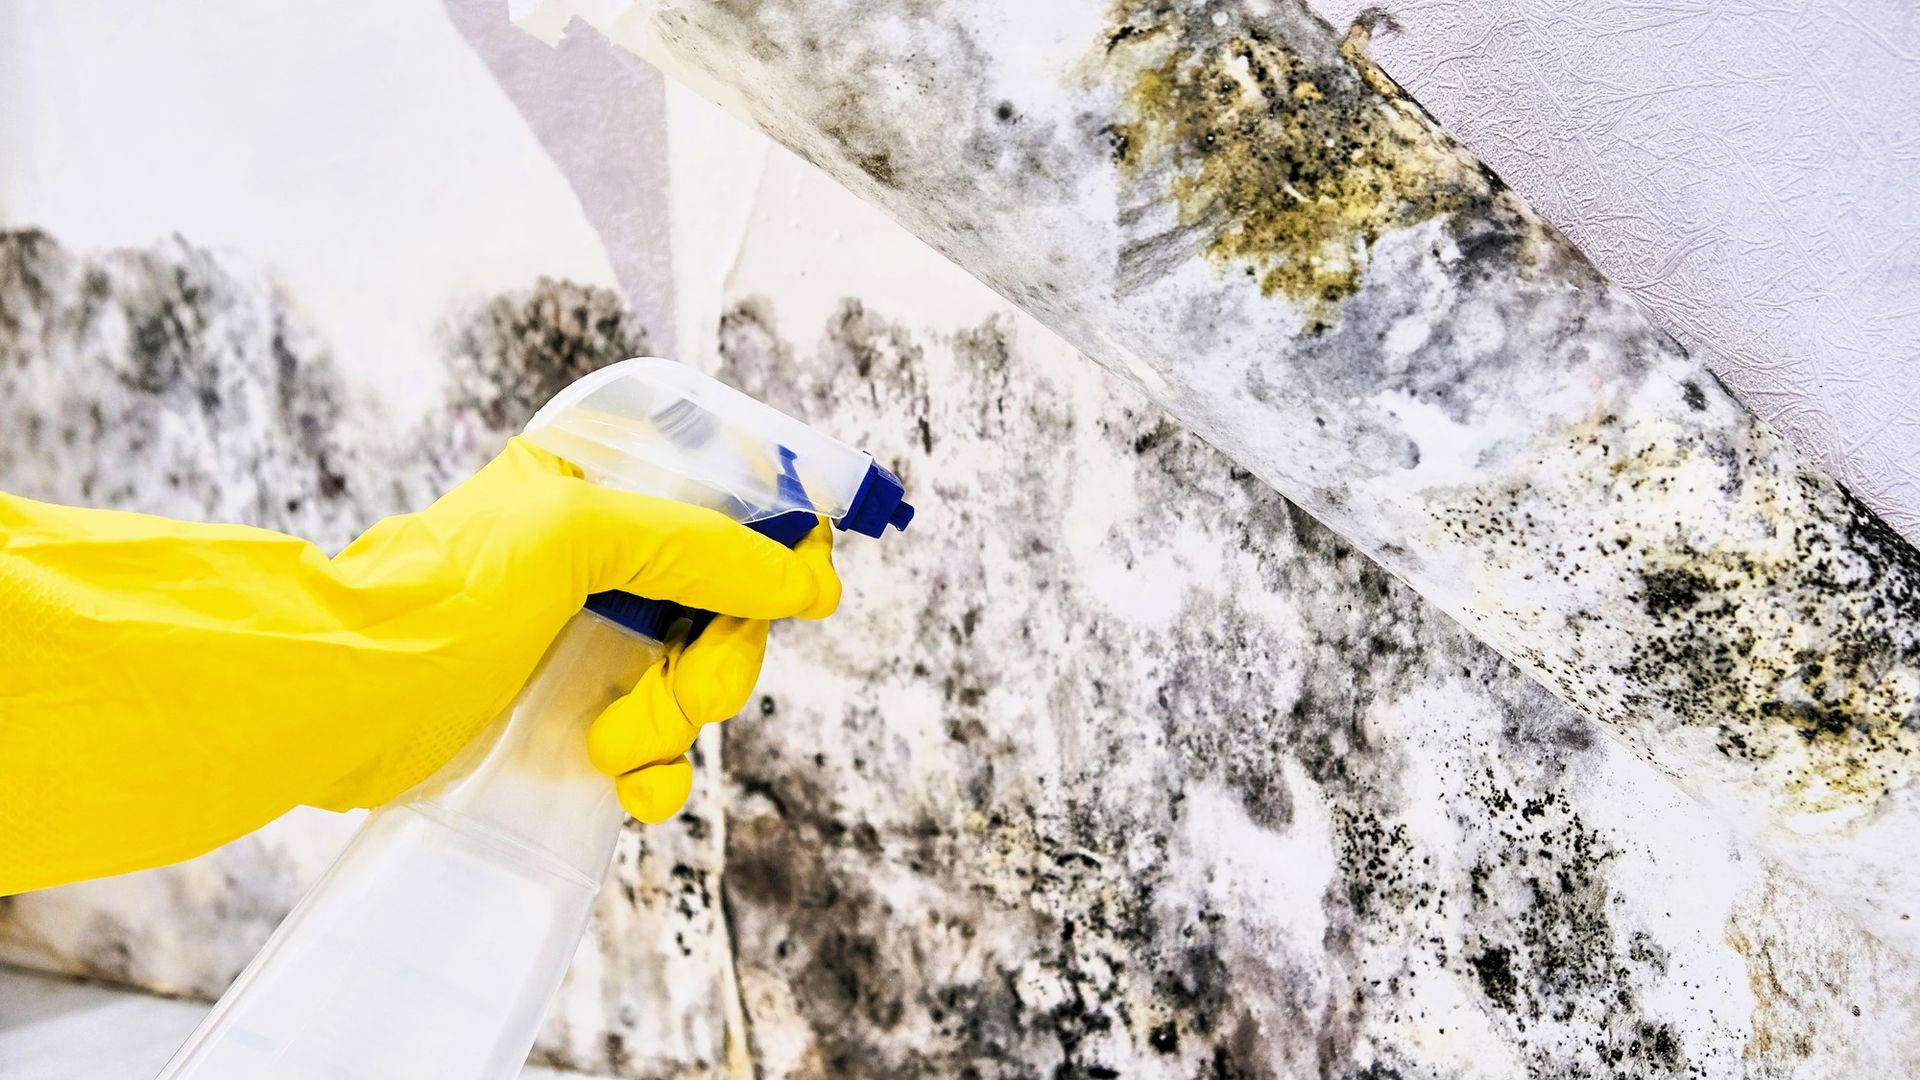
point(1175, 782)
point(610, 143)
point(1421, 361)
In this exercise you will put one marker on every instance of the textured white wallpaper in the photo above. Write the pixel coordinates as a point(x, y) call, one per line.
point(1746, 168)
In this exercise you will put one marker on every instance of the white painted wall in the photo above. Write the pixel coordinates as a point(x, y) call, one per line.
point(360, 150)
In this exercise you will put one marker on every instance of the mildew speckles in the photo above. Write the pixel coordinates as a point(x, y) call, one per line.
point(1545, 947)
point(1283, 165)
point(1451, 347)
point(1521, 913)
point(1238, 697)
point(1042, 944)
point(1764, 606)
point(1827, 684)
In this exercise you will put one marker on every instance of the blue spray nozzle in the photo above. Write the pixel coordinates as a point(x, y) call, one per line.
point(878, 503)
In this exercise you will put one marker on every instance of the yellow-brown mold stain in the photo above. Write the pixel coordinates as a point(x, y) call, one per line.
point(1790, 632)
point(1791, 688)
point(1288, 166)
point(1797, 979)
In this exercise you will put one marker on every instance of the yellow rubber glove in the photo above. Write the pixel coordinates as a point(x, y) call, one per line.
point(167, 686)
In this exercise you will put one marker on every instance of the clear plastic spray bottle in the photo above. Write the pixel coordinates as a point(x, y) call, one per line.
point(433, 945)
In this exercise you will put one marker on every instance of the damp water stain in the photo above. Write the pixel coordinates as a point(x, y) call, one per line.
point(1802, 969)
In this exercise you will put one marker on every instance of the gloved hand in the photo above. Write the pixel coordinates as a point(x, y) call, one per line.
point(168, 686)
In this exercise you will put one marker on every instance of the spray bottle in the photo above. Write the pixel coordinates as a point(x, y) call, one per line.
point(434, 943)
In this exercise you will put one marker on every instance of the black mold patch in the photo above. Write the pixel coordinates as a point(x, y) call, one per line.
point(1672, 591)
point(1793, 634)
point(1067, 895)
point(842, 118)
point(166, 381)
point(519, 349)
point(1494, 966)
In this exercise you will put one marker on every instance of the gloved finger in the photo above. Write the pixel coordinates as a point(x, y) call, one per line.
point(704, 683)
point(671, 551)
point(643, 728)
point(657, 792)
point(716, 674)
point(816, 550)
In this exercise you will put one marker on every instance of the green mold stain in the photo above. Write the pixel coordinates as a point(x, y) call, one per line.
point(1289, 166)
